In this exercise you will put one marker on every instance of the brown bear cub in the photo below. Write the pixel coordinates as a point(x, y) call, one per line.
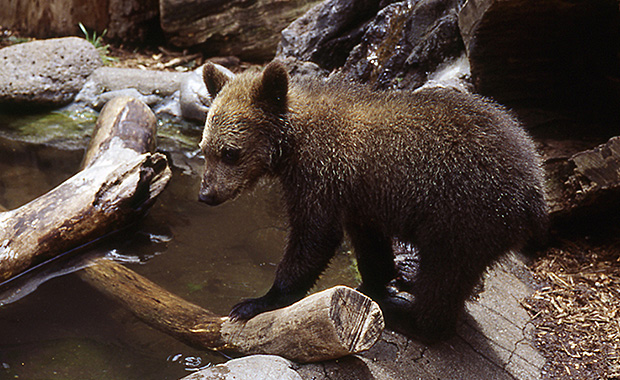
point(450, 173)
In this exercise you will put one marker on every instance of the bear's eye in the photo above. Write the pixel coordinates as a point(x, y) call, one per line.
point(230, 155)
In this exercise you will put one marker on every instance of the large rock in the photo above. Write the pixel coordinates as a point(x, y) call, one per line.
point(48, 72)
point(552, 53)
point(247, 29)
point(406, 42)
point(584, 190)
point(388, 45)
point(327, 32)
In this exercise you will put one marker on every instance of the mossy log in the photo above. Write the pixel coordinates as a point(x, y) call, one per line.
point(326, 325)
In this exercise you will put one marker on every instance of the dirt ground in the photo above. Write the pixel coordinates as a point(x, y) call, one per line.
point(576, 310)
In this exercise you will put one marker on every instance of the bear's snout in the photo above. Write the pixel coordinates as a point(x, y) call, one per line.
point(208, 196)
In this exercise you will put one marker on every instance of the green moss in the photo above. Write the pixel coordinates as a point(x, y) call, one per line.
point(58, 128)
point(72, 130)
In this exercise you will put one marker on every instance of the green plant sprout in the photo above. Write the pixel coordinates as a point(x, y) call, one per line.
point(97, 42)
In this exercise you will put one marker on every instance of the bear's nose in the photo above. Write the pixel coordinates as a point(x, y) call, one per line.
point(209, 197)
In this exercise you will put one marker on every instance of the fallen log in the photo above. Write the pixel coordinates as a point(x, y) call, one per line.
point(330, 324)
point(114, 189)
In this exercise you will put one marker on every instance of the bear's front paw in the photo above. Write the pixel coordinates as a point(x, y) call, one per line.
point(247, 309)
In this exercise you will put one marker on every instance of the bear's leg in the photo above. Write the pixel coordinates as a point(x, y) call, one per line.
point(446, 278)
point(375, 259)
point(307, 254)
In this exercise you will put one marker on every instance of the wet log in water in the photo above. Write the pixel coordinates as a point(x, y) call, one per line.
point(326, 325)
point(113, 190)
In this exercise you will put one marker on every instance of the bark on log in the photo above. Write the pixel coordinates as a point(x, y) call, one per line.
point(326, 325)
point(112, 191)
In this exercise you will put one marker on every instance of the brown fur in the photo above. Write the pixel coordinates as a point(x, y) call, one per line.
point(453, 174)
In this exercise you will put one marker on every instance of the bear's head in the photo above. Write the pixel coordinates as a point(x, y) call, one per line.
point(243, 130)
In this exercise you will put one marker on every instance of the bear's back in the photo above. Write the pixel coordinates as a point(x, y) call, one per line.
point(435, 157)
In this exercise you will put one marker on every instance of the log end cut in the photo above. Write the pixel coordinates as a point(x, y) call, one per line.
point(357, 318)
point(326, 325)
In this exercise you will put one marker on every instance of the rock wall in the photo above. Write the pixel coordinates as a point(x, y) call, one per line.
point(247, 29)
point(391, 44)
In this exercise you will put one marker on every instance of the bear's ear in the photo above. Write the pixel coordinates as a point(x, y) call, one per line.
point(274, 85)
point(214, 79)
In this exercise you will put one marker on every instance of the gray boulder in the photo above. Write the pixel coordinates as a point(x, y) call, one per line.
point(255, 367)
point(47, 72)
